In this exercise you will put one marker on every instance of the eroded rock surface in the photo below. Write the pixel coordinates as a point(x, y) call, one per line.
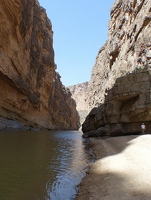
point(128, 47)
point(30, 88)
point(127, 50)
point(126, 106)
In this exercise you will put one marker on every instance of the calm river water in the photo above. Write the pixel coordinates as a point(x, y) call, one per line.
point(43, 165)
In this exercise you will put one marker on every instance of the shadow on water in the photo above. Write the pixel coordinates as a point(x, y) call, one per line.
point(42, 165)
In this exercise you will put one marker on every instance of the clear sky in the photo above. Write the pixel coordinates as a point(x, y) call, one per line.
point(80, 29)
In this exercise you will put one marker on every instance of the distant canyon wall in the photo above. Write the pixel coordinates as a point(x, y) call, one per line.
point(30, 88)
point(79, 93)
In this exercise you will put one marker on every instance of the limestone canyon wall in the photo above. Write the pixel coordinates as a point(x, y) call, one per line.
point(30, 89)
point(127, 51)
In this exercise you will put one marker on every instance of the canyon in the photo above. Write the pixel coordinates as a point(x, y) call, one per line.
point(115, 100)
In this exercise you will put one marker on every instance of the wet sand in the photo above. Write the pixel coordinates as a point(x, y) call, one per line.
point(122, 170)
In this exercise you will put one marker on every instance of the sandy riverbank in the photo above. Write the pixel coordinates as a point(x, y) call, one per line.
point(122, 170)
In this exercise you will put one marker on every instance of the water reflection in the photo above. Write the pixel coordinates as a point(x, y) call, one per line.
point(42, 165)
point(73, 165)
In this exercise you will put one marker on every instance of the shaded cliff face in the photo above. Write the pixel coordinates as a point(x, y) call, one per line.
point(126, 106)
point(128, 47)
point(30, 89)
point(120, 108)
point(79, 93)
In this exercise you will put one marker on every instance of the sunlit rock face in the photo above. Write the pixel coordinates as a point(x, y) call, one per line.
point(30, 89)
point(79, 93)
point(127, 50)
point(128, 47)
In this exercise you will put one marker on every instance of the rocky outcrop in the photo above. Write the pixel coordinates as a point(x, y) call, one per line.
point(127, 50)
point(79, 93)
point(126, 106)
point(30, 88)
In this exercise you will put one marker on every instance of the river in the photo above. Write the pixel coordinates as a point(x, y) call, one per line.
point(42, 165)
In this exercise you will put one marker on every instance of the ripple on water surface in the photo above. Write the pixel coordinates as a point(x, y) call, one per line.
point(42, 165)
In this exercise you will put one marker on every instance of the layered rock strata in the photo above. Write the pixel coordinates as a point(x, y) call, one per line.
point(126, 106)
point(30, 88)
point(127, 50)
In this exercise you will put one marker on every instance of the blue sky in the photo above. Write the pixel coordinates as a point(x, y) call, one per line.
point(80, 29)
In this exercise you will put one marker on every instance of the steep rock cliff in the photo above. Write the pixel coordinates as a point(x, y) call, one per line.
point(30, 88)
point(128, 47)
point(127, 50)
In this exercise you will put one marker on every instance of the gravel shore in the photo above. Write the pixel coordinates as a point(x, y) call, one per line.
point(122, 170)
